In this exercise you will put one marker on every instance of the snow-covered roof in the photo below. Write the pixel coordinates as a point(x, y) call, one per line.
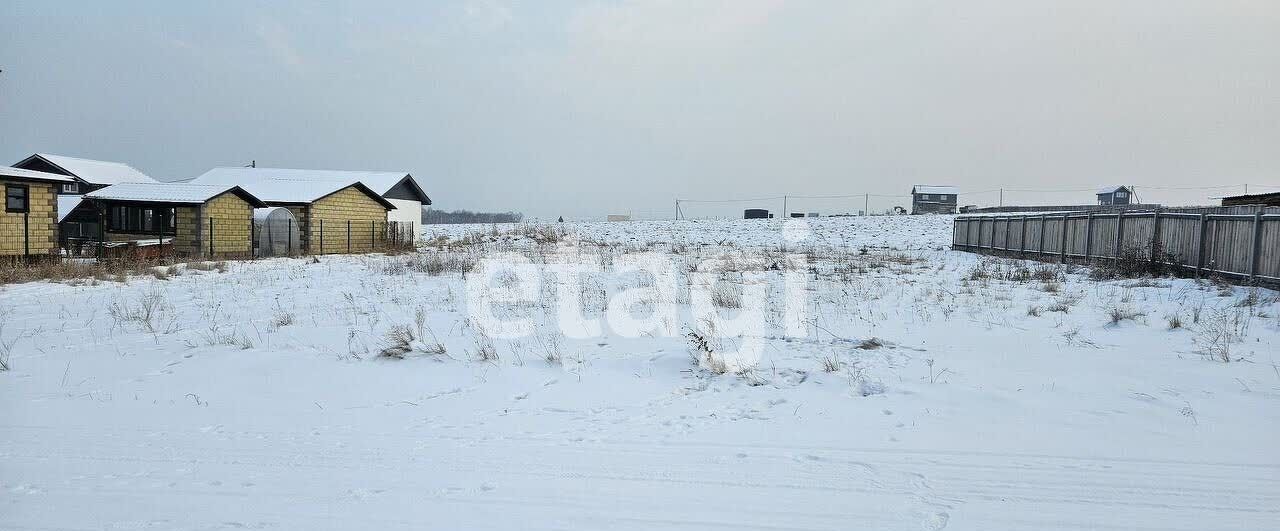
point(1111, 188)
point(32, 175)
point(275, 185)
point(97, 171)
point(169, 193)
point(67, 203)
point(933, 189)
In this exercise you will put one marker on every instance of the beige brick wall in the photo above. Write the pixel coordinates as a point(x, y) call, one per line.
point(42, 221)
point(232, 226)
point(186, 239)
point(367, 219)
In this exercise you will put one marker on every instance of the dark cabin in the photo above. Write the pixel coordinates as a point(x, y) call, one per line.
point(931, 199)
point(1115, 195)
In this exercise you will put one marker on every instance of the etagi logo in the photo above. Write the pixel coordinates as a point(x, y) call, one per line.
point(658, 295)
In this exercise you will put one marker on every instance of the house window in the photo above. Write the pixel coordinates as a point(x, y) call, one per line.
point(70, 188)
point(1121, 194)
point(15, 198)
point(924, 197)
point(141, 220)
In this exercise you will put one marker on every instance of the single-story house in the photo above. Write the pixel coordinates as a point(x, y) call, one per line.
point(211, 221)
point(1115, 195)
point(398, 188)
point(931, 199)
point(327, 210)
point(86, 176)
point(29, 223)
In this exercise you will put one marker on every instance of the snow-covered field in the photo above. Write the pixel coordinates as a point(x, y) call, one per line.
point(900, 386)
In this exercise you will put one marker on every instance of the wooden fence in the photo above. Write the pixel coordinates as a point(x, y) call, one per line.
point(1245, 246)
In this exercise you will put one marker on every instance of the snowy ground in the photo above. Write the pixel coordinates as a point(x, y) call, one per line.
point(996, 394)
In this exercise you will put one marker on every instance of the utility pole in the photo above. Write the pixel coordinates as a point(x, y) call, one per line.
point(1002, 197)
point(784, 207)
point(866, 204)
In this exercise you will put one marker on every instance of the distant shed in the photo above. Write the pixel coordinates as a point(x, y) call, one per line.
point(1269, 199)
point(933, 199)
point(1115, 195)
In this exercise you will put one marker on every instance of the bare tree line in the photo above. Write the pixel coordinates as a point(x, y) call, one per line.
point(444, 217)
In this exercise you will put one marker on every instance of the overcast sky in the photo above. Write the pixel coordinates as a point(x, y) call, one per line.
point(590, 108)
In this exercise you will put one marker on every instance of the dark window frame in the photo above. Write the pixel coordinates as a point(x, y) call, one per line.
point(26, 198)
point(142, 219)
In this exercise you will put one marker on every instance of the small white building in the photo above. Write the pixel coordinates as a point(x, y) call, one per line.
point(399, 188)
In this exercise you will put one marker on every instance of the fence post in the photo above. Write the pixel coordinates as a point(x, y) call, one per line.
point(26, 230)
point(1088, 237)
point(1022, 236)
point(348, 236)
point(290, 237)
point(102, 231)
point(1006, 233)
point(1066, 220)
point(1255, 249)
point(1119, 234)
point(252, 236)
point(1200, 246)
point(1155, 234)
point(1040, 253)
point(211, 237)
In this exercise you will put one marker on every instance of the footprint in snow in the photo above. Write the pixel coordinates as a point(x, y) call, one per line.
point(935, 521)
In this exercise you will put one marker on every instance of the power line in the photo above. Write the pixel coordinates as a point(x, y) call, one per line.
point(731, 200)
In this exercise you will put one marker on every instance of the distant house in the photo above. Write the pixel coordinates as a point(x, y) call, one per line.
point(334, 215)
point(210, 221)
point(87, 174)
point(400, 189)
point(1271, 199)
point(29, 223)
point(1115, 195)
point(930, 199)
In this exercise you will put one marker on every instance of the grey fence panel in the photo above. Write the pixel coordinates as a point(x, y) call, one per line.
point(1076, 227)
point(1180, 237)
point(1269, 249)
point(1231, 244)
point(1032, 235)
point(1237, 244)
point(1102, 241)
point(1137, 232)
